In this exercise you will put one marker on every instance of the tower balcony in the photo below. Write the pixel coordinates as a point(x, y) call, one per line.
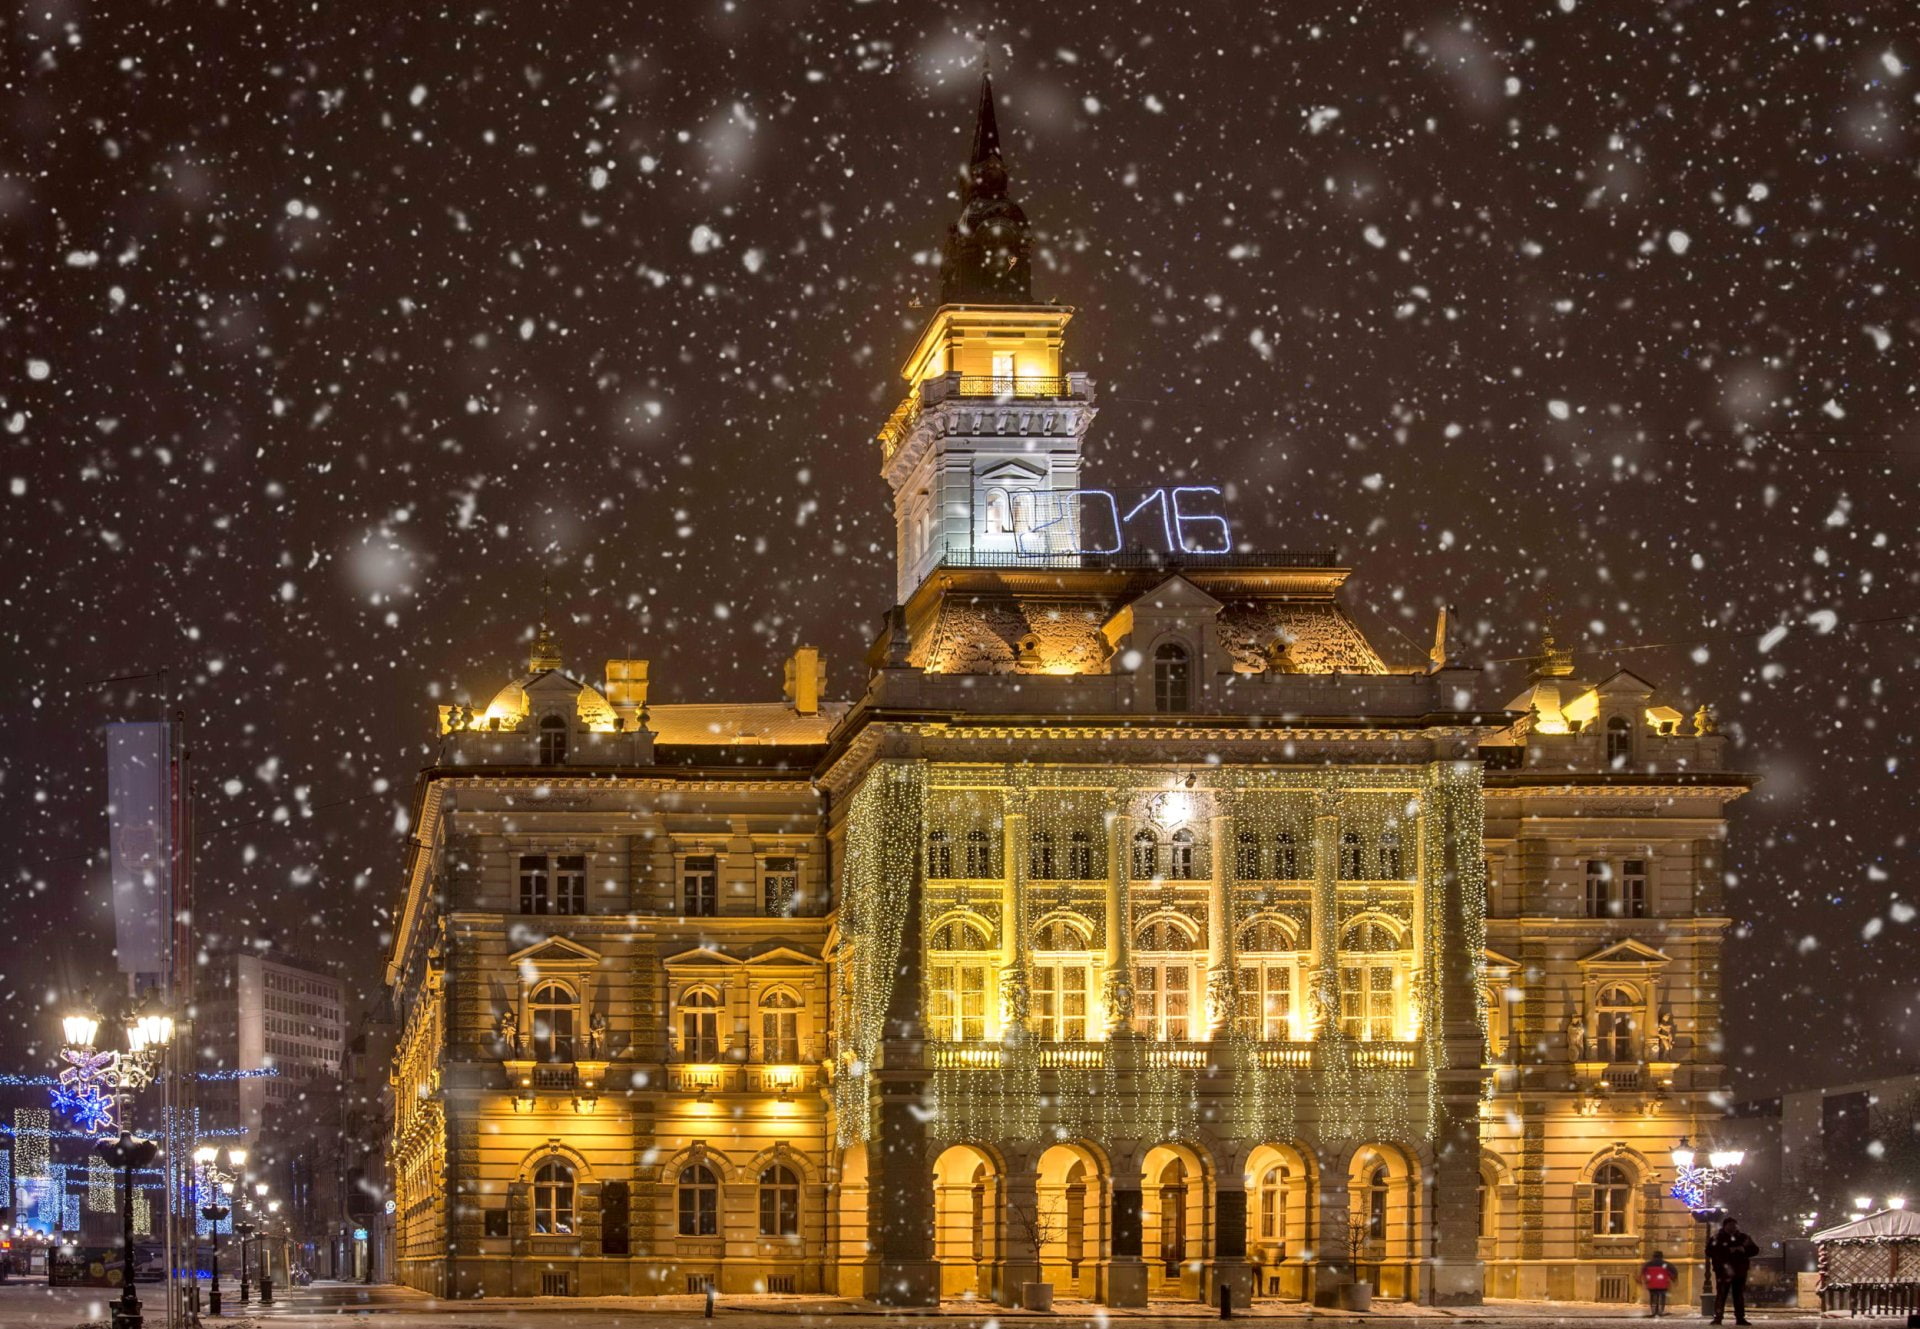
point(974, 391)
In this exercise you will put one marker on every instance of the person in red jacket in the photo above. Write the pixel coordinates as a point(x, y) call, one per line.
point(1657, 1276)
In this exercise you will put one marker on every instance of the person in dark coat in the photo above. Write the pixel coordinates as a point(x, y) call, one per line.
point(1729, 1252)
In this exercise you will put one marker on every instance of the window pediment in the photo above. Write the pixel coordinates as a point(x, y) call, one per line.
point(556, 954)
point(1628, 954)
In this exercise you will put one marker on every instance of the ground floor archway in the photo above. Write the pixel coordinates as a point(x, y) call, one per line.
point(1384, 1219)
point(968, 1212)
point(1281, 1189)
point(1176, 1212)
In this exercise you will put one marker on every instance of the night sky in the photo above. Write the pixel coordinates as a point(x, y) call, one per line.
point(326, 336)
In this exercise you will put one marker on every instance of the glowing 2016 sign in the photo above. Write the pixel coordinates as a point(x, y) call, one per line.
point(1043, 522)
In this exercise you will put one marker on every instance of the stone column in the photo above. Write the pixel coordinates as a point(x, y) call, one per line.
point(1229, 1268)
point(1119, 986)
point(1331, 1265)
point(1015, 945)
point(1126, 1270)
point(1223, 975)
point(900, 1214)
point(1323, 977)
point(1458, 1275)
point(1020, 1247)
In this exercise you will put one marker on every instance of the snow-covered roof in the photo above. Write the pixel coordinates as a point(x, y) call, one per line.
point(1897, 1223)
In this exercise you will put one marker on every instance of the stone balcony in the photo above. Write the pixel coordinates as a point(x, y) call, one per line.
point(968, 403)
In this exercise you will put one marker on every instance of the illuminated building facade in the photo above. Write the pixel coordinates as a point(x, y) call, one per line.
point(1137, 930)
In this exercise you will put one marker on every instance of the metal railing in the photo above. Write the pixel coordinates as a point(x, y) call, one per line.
point(1015, 388)
point(1138, 560)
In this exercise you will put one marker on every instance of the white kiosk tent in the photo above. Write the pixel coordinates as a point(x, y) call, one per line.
point(1871, 1266)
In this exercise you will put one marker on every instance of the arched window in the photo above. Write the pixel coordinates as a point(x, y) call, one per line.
point(1286, 857)
point(1379, 1187)
point(1180, 856)
point(553, 740)
point(780, 1028)
point(699, 1201)
point(1246, 856)
point(1367, 964)
point(1080, 856)
point(1173, 1215)
point(553, 1198)
point(979, 854)
point(1062, 982)
point(939, 854)
point(700, 1025)
point(779, 1202)
point(1146, 855)
point(1165, 981)
point(1351, 867)
point(1273, 1203)
point(1485, 1200)
point(961, 934)
point(1172, 679)
point(1040, 862)
point(1614, 1023)
point(1389, 855)
point(1612, 1201)
point(1619, 740)
point(1266, 980)
point(1059, 934)
point(551, 1008)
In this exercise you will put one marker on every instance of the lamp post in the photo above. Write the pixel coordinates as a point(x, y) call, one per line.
point(1693, 1185)
point(216, 1183)
point(93, 1090)
point(244, 1230)
point(266, 1260)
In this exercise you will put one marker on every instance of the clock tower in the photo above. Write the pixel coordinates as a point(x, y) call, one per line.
point(983, 454)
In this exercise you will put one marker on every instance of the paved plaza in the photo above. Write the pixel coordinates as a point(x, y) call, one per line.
point(337, 1305)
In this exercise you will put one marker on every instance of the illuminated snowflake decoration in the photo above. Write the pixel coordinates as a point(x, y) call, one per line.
point(1693, 1187)
point(86, 1107)
point(82, 1092)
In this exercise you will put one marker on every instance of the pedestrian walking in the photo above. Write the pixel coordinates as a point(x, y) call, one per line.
point(1656, 1275)
point(1729, 1253)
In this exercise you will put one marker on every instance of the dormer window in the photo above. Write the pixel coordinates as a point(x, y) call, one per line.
point(553, 740)
point(1172, 679)
point(1619, 741)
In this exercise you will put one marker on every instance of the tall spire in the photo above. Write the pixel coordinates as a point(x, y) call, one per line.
point(986, 260)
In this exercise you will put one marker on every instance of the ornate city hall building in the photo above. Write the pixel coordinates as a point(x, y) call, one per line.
point(1136, 930)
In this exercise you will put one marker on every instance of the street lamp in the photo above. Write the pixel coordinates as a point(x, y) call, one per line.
point(216, 1184)
point(1693, 1185)
point(82, 1092)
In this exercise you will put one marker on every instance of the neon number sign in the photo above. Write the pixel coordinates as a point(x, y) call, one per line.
point(1178, 519)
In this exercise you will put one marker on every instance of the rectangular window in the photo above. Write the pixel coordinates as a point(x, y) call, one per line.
point(1633, 888)
point(570, 884)
point(1266, 1001)
point(780, 886)
point(957, 1002)
point(1003, 371)
point(979, 855)
point(496, 1221)
point(700, 886)
point(1599, 884)
point(1060, 1002)
point(533, 884)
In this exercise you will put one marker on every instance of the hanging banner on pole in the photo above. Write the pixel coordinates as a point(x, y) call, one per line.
point(140, 829)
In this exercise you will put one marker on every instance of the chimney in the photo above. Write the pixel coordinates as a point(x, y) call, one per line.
point(806, 679)
point(627, 689)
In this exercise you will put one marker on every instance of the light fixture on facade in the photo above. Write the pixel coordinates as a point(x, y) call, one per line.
point(585, 1103)
point(523, 1101)
point(1171, 809)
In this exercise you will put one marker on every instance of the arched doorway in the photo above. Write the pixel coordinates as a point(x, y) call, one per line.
point(966, 1217)
point(1071, 1237)
point(1383, 1220)
point(1175, 1204)
point(1280, 1212)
